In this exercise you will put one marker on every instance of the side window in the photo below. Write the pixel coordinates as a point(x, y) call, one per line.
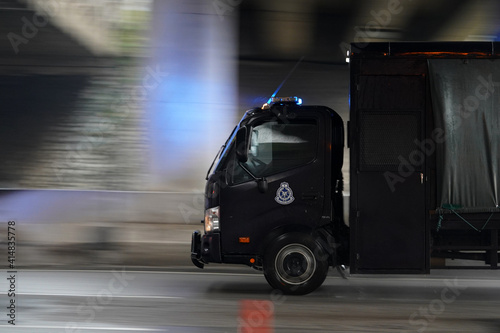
point(279, 147)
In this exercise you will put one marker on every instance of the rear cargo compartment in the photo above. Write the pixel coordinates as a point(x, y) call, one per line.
point(424, 139)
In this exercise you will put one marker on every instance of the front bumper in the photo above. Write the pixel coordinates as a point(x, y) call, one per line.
point(196, 250)
point(205, 249)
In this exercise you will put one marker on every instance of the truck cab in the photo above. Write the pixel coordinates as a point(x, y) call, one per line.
point(273, 198)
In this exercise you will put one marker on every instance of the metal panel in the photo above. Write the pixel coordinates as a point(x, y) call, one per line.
point(386, 137)
point(389, 226)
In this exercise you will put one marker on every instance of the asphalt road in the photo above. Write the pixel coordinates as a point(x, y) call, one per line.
point(226, 299)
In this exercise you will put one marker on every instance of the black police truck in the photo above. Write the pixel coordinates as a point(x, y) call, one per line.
point(424, 145)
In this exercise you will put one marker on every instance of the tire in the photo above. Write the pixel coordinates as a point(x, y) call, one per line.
point(295, 264)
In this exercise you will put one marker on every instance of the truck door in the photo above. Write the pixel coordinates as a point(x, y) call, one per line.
point(289, 156)
point(387, 214)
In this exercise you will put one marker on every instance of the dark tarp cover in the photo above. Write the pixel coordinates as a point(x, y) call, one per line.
point(466, 104)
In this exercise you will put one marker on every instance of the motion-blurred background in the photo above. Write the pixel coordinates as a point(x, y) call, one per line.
point(112, 110)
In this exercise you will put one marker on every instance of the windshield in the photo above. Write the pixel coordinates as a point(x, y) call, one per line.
point(276, 147)
point(222, 153)
point(224, 149)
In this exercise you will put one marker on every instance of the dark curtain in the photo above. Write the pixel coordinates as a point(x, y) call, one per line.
point(466, 104)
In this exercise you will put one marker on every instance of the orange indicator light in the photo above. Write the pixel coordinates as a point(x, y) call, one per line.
point(244, 239)
point(252, 261)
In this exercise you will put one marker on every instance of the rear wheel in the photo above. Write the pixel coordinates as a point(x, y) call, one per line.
point(296, 264)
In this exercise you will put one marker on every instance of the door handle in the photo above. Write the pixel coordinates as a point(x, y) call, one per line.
point(310, 196)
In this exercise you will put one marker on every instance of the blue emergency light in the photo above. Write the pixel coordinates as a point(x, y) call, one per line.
point(282, 100)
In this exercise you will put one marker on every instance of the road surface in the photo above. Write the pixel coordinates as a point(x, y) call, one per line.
point(228, 299)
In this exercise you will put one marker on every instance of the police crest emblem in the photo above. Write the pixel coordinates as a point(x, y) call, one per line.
point(284, 194)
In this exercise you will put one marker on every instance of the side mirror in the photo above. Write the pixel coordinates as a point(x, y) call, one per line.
point(243, 143)
point(262, 185)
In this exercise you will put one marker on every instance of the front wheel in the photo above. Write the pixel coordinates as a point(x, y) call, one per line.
point(295, 264)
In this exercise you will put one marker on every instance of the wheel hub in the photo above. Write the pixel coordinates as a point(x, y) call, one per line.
point(295, 264)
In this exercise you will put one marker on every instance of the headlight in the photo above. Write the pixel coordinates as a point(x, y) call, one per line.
point(212, 219)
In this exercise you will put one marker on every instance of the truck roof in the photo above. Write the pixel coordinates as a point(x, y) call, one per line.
point(425, 50)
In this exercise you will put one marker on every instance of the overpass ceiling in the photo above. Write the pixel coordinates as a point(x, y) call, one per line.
point(285, 29)
point(318, 28)
point(44, 45)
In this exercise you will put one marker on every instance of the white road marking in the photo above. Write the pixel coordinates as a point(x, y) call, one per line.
point(87, 295)
point(88, 328)
point(377, 278)
point(138, 272)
